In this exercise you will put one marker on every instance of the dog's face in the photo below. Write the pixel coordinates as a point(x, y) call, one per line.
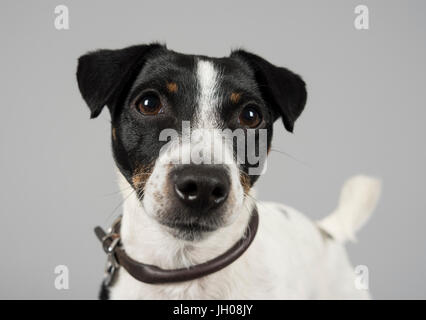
point(172, 116)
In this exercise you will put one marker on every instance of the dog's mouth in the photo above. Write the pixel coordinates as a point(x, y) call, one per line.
point(189, 230)
point(190, 227)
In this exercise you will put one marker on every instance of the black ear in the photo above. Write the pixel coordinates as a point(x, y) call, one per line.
point(104, 75)
point(284, 90)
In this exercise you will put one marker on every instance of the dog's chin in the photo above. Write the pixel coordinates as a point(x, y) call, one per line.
point(189, 231)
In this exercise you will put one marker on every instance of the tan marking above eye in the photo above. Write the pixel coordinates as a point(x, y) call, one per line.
point(172, 87)
point(235, 97)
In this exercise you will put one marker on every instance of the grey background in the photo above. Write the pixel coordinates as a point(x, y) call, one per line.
point(365, 114)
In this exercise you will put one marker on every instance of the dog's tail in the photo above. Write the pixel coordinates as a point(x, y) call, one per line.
point(358, 199)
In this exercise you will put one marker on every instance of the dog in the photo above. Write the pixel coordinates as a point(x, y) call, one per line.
point(179, 215)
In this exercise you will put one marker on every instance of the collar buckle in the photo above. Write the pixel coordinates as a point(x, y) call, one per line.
point(110, 242)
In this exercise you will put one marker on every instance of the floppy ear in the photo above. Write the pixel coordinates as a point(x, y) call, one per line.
point(104, 75)
point(284, 90)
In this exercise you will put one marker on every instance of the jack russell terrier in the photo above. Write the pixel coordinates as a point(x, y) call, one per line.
point(191, 227)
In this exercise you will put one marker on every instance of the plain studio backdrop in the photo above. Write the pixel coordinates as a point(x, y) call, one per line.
point(365, 114)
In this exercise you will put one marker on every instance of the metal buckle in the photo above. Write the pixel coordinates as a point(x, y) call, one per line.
point(112, 264)
point(111, 269)
point(115, 240)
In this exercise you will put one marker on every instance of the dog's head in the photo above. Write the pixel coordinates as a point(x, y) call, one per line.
point(186, 128)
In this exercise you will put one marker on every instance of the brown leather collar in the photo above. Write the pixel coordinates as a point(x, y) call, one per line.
point(154, 275)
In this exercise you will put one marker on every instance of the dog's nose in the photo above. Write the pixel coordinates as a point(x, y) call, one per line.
point(201, 187)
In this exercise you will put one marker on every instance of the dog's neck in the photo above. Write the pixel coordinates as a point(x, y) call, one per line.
point(145, 240)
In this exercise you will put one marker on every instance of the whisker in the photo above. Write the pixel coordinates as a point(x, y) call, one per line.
point(117, 192)
point(119, 205)
point(291, 157)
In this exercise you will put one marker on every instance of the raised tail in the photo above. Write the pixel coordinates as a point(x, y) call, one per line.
point(357, 202)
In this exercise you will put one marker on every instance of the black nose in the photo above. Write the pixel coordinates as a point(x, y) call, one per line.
point(201, 187)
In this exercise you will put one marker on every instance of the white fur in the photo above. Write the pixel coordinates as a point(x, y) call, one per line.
point(208, 79)
point(288, 259)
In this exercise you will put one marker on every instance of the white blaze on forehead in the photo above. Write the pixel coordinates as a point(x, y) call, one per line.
point(208, 99)
point(206, 120)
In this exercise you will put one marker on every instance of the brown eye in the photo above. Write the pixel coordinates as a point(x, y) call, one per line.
point(250, 117)
point(149, 104)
